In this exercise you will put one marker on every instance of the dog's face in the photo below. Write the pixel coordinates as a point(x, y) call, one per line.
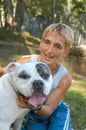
point(31, 80)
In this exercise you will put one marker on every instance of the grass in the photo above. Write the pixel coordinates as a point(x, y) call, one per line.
point(16, 36)
point(10, 35)
point(76, 98)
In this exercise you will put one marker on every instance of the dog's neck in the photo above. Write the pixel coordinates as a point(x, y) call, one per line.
point(11, 84)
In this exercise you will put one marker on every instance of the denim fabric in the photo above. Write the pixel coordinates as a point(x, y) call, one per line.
point(59, 120)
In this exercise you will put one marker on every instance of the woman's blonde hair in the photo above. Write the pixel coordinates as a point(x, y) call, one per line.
point(63, 30)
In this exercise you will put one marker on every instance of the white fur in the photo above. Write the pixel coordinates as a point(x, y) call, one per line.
point(10, 83)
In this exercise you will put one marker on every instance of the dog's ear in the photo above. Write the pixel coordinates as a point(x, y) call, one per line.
point(11, 67)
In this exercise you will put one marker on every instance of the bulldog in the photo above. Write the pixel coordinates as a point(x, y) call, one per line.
point(33, 81)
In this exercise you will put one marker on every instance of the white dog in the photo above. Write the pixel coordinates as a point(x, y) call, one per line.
point(31, 80)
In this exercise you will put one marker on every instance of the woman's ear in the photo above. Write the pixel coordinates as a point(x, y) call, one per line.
point(40, 44)
point(66, 52)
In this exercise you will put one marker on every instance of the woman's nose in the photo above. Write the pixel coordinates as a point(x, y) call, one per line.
point(50, 49)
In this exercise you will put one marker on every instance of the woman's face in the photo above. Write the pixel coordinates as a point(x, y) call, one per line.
point(52, 48)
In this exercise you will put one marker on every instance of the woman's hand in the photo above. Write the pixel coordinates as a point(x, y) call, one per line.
point(1, 71)
point(22, 103)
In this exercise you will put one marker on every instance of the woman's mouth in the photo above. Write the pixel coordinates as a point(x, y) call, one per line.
point(48, 57)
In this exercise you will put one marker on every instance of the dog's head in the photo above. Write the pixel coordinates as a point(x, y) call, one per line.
point(31, 80)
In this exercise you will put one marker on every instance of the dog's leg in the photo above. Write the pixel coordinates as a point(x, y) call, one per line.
point(17, 124)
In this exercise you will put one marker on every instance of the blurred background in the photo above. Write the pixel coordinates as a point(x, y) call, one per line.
point(22, 23)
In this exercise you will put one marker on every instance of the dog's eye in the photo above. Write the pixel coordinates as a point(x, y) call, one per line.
point(45, 76)
point(24, 75)
point(43, 71)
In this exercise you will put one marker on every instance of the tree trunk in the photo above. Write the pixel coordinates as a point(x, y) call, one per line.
point(8, 8)
point(19, 15)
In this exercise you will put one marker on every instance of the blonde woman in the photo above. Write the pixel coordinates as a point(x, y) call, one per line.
point(54, 114)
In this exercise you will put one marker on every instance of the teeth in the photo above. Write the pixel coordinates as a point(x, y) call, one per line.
point(40, 94)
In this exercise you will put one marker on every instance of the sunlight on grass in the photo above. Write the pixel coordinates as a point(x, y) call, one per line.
point(76, 98)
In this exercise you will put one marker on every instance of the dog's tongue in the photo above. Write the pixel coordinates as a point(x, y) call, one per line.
point(37, 99)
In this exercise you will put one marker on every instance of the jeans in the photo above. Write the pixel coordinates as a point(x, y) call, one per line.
point(59, 120)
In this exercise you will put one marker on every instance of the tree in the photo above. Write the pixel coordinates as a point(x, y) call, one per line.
point(19, 15)
point(13, 14)
point(8, 9)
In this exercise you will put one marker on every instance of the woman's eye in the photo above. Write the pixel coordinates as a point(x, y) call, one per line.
point(46, 41)
point(58, 47)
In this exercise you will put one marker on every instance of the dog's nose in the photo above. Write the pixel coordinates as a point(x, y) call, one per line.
point(38, 84)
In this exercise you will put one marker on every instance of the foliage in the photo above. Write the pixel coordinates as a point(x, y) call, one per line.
point(79, 13)
point(72, 13)
point(30, 38)
point(79, 51)
point(6, 34)
point(12, 14)
point(75, 16)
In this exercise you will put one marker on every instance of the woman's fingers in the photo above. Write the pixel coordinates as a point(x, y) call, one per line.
point(22, 103)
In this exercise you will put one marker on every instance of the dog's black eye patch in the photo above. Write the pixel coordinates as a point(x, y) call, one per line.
point(24, 75)
point(43, 71)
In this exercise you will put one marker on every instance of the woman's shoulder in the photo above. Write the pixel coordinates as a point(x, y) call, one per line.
point(62, 68)
point(59, 75)
point(23, 59)
point(64, 72)
point(61, 71)
point(27, 58)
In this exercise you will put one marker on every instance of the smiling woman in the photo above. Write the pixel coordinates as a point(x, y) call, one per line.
point(54, 113)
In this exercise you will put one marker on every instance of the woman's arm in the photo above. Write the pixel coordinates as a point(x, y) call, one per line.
point(1, 71)
point(56, 96)
point(23, 59)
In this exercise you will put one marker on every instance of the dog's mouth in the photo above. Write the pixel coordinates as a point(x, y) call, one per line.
point(35, 100)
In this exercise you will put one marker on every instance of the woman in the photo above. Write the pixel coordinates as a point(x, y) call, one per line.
point(54, 114)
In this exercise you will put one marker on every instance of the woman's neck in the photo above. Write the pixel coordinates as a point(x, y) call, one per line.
point(54, 68)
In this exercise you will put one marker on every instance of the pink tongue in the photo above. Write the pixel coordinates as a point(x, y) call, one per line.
point(36, 100)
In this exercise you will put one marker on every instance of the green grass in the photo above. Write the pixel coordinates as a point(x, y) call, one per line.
point(16, 36)
point(10, 35)
point(76, 98)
